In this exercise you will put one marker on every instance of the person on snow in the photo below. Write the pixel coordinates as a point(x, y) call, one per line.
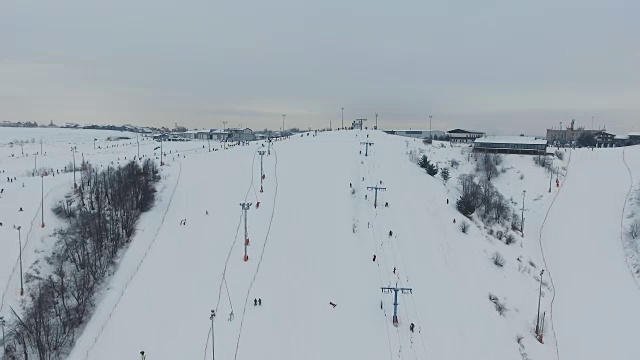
point(394, 269)
point(447, 201)
point(259, 302)
point(386, 204)
point(454, 221)
point(255, 302)
point(390, 233)
point(350, 185)
point(374, 257)
point(365, 196)
point(411, 327)
point(332, 304)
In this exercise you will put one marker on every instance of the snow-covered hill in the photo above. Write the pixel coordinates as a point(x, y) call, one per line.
point(312, 242)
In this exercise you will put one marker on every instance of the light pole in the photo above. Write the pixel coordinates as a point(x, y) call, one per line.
point(539, 297)
point(376, 121)
point(524, 192)
point(161, 153)
point(138, 142)
point(4, 343)
point(73, 152)
point(283, 116)
point(94, 143)
point(430, 133)
point(213, 352)
point(35, 163)
point(42, 200)
point(342, 118)
point(550, 177)
point(20, 248)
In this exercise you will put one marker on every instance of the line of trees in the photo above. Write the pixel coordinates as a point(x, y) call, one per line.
point(101, 215)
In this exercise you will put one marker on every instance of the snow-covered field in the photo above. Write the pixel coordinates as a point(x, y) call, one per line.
point(312, 242)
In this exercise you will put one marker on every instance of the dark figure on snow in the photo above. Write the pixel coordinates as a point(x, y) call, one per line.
point(390, 233)
point(20, 209)
point(447, 201)
point(374, 257)
point(259, 302)
point(394, 269)
point(454, 221)
point(332, 304)
point(255, 302)
point(411, 327)
point(350, 185)
point(386, 204)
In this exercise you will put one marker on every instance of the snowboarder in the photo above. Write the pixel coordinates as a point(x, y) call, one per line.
point(259, 302)
point(374, 257)
point(255, 302)
point(390, 233)
point(332, 304)
point(411, 327)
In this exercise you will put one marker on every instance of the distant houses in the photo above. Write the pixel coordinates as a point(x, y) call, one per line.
point(435, 134)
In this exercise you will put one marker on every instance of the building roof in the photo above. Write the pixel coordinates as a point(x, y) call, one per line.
point(462, 131)
point(511, 140)
point(621, 137)
point(634, 134)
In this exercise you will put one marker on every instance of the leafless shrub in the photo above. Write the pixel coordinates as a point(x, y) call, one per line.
point(497, 259)
point(499, 235)
point(464, 227)
point(509, 239)
point(501, 307)
point(633, 231)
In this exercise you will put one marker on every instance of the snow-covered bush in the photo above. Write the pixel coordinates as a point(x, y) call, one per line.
point(497, 259)
point(464, 227)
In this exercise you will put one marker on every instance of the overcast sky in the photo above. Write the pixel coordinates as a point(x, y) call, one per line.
point(506, 67)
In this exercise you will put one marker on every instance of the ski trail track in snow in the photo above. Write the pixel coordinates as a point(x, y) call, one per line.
point(624, 206)
point(549, 273)
point(24, 246)
point(233, 244)
point(135, 272)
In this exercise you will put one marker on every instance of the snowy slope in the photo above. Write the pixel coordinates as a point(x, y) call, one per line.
point(304, 253)
point(595, 311)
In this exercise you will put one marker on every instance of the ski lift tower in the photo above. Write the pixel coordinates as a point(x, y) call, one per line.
point(388, 290)
point(359, 122)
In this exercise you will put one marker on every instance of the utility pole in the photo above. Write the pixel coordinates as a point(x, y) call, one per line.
point(138, 142)
point(224, 131)
point(261, 153)
point(538, 330)
point(94, 143)
point(4, 343)
point(376, 188)
point(524, 192)
point(245, 208)
point(430, 133)
point(550, 177)
point(396, 289)
point(209, 141)
point(283, 116)
point(161, 152)
point(376, 121)
point(360, 121)
point(73, 152)
point(42, 200)
point(342, 118)
point(366, 144)
point(213, 349)
point(20, 245)
point(35, 163)
point(41, 153)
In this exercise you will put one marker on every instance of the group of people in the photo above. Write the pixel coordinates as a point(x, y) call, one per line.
point(257, 302)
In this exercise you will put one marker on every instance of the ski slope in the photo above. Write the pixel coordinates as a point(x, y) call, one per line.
point(597, 304)
point(311, 243)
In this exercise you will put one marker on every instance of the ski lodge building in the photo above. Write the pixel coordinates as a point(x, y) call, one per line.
point(464, 136)
point(511, 145)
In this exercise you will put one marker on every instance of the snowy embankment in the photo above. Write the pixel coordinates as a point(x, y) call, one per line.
point(630, 221)
point(312, 242)
point(595, 310)
point(48, 152)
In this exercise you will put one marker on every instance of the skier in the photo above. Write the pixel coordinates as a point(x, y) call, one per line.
point(386, 204)
point(259, 302)
point(454, 220)
point(332, 304)
point(255, 302)
point(350, 185)
point(380, 304)
point(394, 269)
point(365, 196)
point(447, 201)
point(411, 327)
point(374, 257)
point(20, 209)
point(390, 233)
